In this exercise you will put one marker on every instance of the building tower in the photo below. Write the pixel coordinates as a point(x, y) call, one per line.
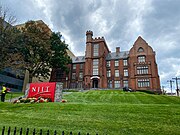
point(95, 61)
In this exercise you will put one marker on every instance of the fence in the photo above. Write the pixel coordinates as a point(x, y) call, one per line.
point(35, 132)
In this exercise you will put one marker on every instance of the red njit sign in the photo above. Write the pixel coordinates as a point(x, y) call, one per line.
point(44, 90)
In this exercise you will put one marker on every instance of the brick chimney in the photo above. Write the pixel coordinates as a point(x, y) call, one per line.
point(117, 49)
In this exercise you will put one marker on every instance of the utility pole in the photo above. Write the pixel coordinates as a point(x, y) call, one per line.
point(163, 91)
point(170, 81)
point(177, 89)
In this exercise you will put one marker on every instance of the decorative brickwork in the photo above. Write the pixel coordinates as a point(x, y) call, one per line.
point(100, 68)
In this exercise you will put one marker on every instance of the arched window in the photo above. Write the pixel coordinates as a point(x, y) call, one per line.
point(140, 49)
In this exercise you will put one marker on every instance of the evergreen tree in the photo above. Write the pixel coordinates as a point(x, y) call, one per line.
point(59, 58)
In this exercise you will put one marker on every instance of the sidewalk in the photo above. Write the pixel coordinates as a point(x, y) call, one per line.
point(12, 100)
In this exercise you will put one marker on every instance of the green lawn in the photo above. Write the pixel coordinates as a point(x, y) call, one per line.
point(11, 95)
point(103, 112)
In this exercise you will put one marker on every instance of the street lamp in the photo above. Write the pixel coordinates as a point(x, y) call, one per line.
point(66, 82)
point(170, 81)
point(177, 89)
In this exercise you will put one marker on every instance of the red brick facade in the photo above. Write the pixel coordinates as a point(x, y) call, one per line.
point(102, 69)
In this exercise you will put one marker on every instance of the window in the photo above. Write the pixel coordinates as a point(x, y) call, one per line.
point(81, 66)
point(116, 84)
point(95, 71)
point(141, 59)
point(73, 75)
point(142, 70)
point(108, 64)
point(80, 75)
point(140, 49)
point(125, 72)
point(116, 73)
point(59, 74)
point(108, 73)
point(80, 84)
point(109, 84)
point(125, 62)
point(96, 50)
point(125, 83)
point(116, 63)
point(143, 83)
point(74, 66)
point(95, 62)
point(73, 85)
point(95, 66)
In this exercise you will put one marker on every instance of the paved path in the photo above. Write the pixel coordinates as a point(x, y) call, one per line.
point(12, 100)
point(64, 93)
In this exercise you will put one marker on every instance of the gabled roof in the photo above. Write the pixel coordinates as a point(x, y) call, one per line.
point(119, 55)
point(78, 59)
point(140, 39)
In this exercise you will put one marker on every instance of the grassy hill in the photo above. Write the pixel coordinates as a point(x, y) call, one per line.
point(103, 112)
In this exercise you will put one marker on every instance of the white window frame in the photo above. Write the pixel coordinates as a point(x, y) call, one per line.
point(95, 66)
point(116, 63)
point(108, 63)
point(108, 73)
point(142, 70)
point(116, 72)
point(110, 83)
point(80, 75)
point(125, 83)
point(117, 84)
point(73, 76)
point(143, 83)
point(141, 59)
point(81, 66)
point(125, 62)
point(125, 72)
point(96, 50)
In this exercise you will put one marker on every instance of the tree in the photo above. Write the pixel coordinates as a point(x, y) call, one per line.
point(7, 37)
point(34, 49)
point(59, 58)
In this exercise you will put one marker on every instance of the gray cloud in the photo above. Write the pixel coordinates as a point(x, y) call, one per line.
point(119, 21)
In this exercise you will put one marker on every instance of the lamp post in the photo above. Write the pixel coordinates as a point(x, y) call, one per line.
point(177, 89)
point(163, 91)
point(66, 82)
point(170, 81)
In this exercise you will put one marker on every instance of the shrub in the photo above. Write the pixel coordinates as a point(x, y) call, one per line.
point(147, 91)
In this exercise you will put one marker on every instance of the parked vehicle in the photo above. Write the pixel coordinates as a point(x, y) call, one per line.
point(127, 89)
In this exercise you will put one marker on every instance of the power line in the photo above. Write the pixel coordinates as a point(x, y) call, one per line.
point(177, 89)
point(170, 81)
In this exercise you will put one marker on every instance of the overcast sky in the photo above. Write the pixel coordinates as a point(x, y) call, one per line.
point(119, 21)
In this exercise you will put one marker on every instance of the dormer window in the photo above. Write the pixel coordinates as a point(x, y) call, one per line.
point(82, 58)
point(141, 59)
point(140, 49)
point(77, 59)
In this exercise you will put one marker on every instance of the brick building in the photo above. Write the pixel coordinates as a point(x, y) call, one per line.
point(101, 68)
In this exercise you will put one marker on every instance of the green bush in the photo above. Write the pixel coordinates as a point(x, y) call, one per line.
point(147, 91)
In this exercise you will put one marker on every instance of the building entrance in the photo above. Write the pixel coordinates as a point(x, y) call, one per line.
point(95, 83)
